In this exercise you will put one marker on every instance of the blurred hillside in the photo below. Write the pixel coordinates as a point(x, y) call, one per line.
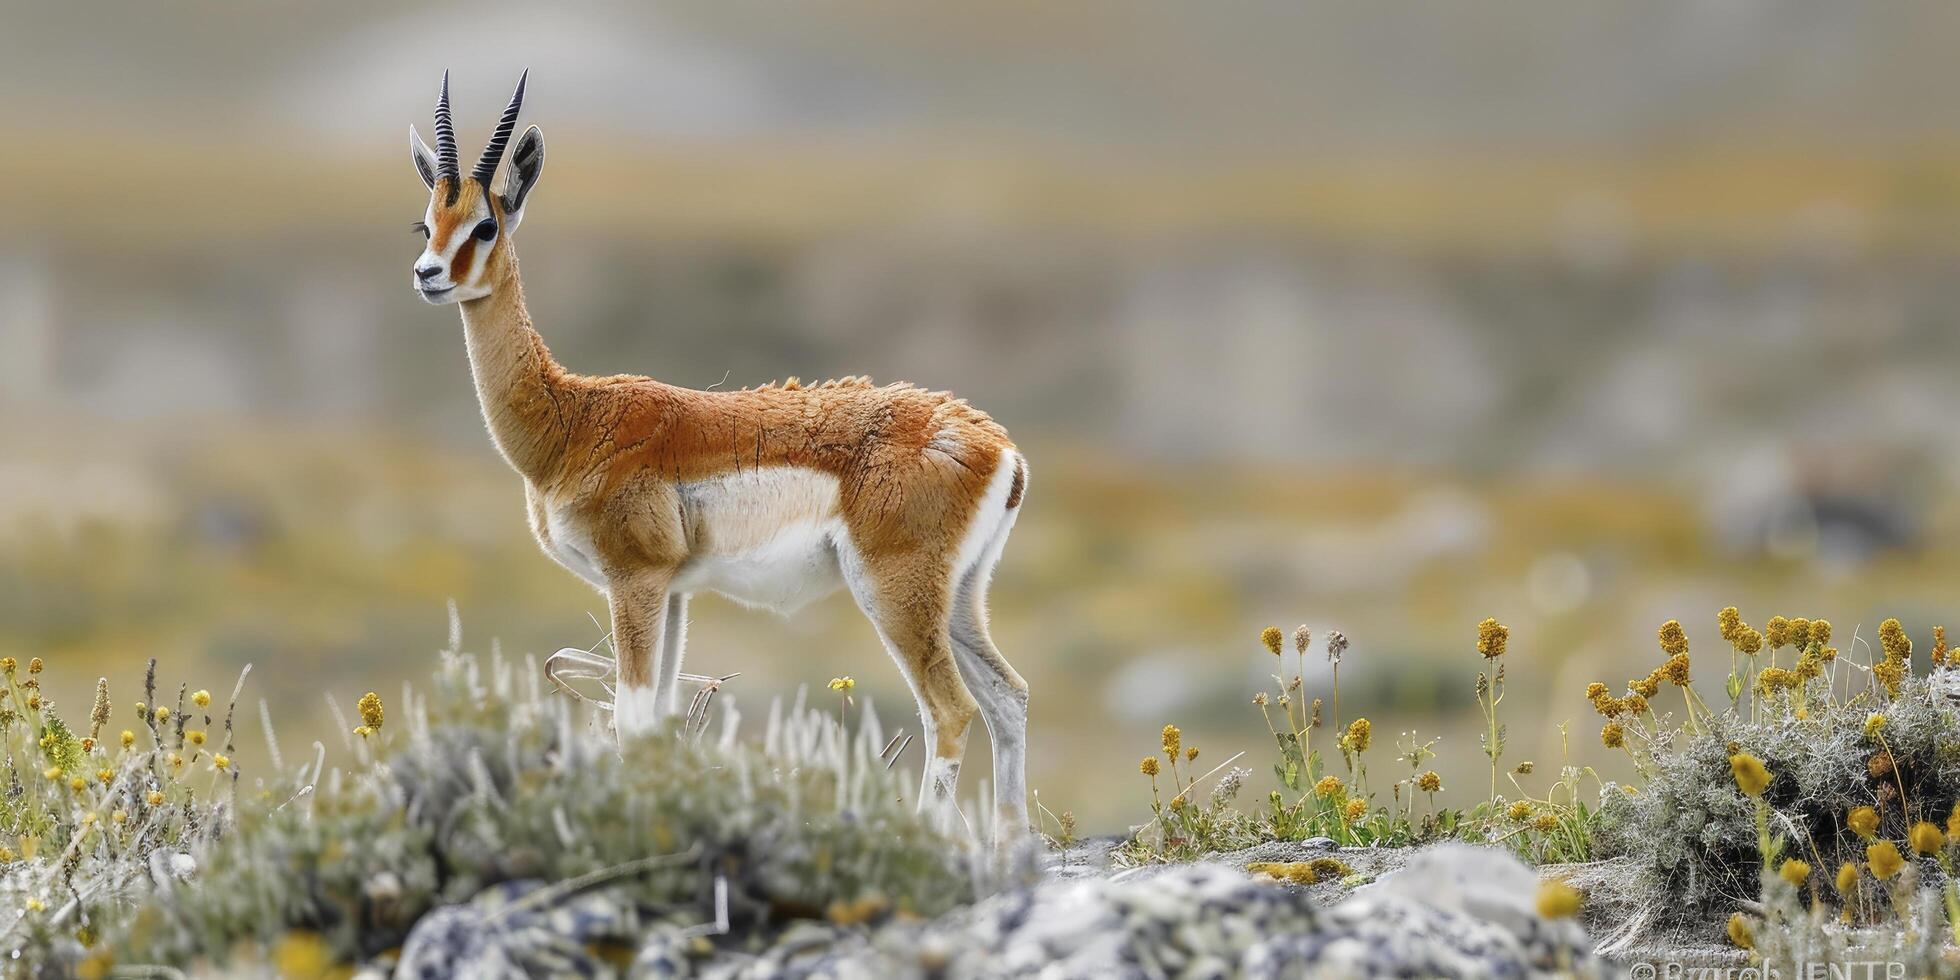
point(1383, 317)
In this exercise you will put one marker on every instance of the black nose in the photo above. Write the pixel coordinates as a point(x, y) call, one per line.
point(426, 273)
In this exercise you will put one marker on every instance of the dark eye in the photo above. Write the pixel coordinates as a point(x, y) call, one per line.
point(421, 228)
point(485, 230)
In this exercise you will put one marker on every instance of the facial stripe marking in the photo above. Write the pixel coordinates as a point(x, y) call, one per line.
point(459, 269)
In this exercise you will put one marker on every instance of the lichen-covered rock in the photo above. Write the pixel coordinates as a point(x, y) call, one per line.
point(1455, 911)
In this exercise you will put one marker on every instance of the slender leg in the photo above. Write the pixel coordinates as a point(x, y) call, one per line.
point(1002, 694)
point(907, 601)
point(639, 607)
point(1003, 700)
point(673, 647)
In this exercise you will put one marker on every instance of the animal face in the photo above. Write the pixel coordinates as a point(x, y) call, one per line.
point(467, 225)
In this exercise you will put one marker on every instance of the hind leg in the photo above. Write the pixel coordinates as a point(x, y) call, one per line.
point(1000, 691)
point(908, 600)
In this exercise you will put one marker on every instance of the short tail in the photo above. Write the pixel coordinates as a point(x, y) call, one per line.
point(1020, 484)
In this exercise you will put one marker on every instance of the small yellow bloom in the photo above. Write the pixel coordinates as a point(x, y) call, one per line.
point(6, 855)
point(1191, 754)
point(1739, 932)
point(104, 776)
point(155, 797)
point(1558, 900)
point(36, 905)
point(128, 738)
point(1750, 774)
point(1795, 872)
point(53, 773)
point(1891, 675)
point(1429, 782)
point(34, 666)
point(1749, 641)
point(1731, 622)
point(194, 736)
point(840, 684)
point(120, 816)
point(162, 714)
point(176, 760)
point(1492, 637)
point(1172, 739)
point(1178, 802)
point(1884, 859)
point(1863, 821)
point(1926, 837)
point(1847, 878)
point(77, 783)
point(221, 762)
point(1329, 787)
point(1354, 810)
point(1148, 766)
point(1820, 631)
point(202, 699)
point(1358, 735)
point(363, 730)
point(1518, 811)
point(1545, 822)
point(1674, 639)
point(1777, 632)
point(1613, 736)
point(370, 707)
point(1273, 639)
point(1892, 637)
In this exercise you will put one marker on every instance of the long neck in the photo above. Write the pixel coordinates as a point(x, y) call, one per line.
point(523, 392)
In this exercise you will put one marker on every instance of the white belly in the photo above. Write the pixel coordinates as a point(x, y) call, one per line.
point(765, 538)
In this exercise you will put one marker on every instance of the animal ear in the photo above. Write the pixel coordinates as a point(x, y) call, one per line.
point(526, 162)
point(425, 158)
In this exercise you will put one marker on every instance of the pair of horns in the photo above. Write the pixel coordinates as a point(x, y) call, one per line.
point(493, 153)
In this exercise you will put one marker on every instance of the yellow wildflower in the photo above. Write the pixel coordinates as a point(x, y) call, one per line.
point(1847, 877)
point(1172, 739)
point(1613, 736)
point(119, 816)
point(1430, 782)
point(1148, 766)
point(1749, 641)
point(1863, 821)
point(1799, 632)
point(1330, 787)
point(1730, 621)
point(221, 762)
point(1739, 933)
point(1545, 822)
point(1884, 859)
point(1674, 639)
point(1647, 686)
point(34, 666)
point(1891, 674)
point(1558, 900)
point(1938, 653)
point(77, 783)
point(1892, 637)
point(128, 738)
point(1795, 872)
point(202, 699)
point(1273, 639)
point(1820, 631)
point(194, 736)
point(1492, 637)
point(162, 714)
point(1750, 775)
point(1777, 632)
point(155, 798)
point(1358, 735)
point(1518, 811)
point(842, 685)
point(1355, 810)
point(104, 776)
point(1191, 753)
point(363, 730)
point(1178, 802)
point(1676, 670)
point(1926, 837)
point(1874, 723)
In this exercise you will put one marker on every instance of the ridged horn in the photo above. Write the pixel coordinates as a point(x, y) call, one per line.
point(446, 165)
point(493, 153)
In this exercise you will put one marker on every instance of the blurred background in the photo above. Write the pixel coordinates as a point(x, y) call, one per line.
point(1374, 317)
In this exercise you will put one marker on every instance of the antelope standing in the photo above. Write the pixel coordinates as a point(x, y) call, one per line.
point(772, 496)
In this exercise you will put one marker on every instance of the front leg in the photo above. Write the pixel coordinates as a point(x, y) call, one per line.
point(639, 612)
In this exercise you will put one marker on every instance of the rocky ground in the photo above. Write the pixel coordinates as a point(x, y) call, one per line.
point(1279, 910)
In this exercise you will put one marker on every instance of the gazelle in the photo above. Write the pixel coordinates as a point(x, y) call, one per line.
point(772, 496)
